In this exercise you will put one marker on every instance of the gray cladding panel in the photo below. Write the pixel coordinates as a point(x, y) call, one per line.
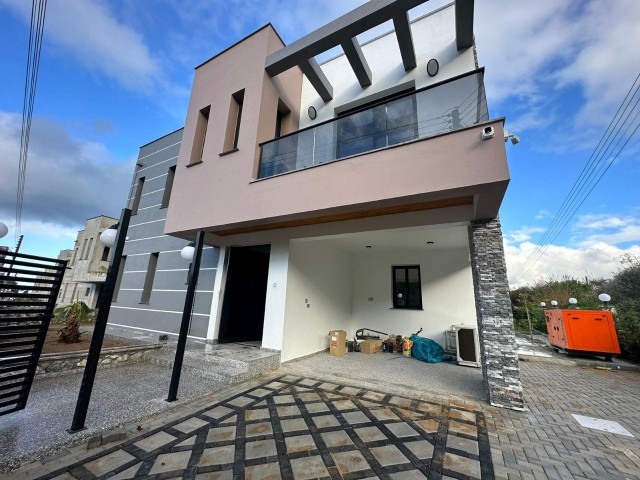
point(160, 321)
point(165, 301)
point(160, 143)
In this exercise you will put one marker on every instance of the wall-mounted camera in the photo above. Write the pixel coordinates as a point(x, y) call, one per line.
point(488, 132)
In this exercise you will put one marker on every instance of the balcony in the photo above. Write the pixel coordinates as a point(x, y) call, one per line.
point(434, 110)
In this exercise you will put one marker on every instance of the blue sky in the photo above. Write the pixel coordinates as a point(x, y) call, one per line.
point(116, 74)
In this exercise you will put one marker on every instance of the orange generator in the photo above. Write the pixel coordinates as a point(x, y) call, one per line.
point(583, 331)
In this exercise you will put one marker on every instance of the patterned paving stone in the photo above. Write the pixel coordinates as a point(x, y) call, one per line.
point(267, 471)
point(401, 429)
point(155, 441)
point(349, 462)
point(420, 448)
point(302, 429)
point(336, 439)
point(258, 429)
point(389, 455)
point(168, 462)
point(308, 467)
point(300, 443)
point(109, 462)
point(260, 448)
point(463, 465)
point(217, 455)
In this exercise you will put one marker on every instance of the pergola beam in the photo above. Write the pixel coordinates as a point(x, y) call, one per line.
point(405, 40)
point(464, 24)
point(317, 78)
point(358, 63)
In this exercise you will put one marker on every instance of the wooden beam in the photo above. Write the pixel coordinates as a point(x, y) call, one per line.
point(339, 217)
point(359, 64)
point(317, 78)
point(405, 40)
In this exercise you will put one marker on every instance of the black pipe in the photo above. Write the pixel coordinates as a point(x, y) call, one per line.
point(104, 305)
point(194, 270)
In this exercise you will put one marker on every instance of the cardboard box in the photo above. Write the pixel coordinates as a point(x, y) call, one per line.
point(370, 346)
point(337, 343)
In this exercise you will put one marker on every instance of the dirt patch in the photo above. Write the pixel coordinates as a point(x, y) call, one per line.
point(51, 344)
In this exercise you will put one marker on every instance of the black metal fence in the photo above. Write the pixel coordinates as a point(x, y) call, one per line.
point(29, 286)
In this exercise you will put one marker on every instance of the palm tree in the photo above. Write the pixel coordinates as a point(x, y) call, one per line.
point(73, 314)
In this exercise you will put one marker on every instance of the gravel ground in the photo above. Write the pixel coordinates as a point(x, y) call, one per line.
point(394, 369)
point(120, 395)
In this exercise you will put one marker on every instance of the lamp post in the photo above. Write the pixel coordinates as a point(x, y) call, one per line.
point(115, 235)
point(573, 302)
point(193, 254)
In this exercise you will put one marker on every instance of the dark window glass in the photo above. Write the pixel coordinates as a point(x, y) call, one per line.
point(407, 287)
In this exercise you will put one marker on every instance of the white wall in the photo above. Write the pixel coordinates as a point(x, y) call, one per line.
point(274, 310)
point(447, 291)
point(433, 37)
point(319, 273)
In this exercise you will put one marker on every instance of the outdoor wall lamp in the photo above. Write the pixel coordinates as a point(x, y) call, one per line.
point(3, 230)
point(108, 237)
point(187, 252)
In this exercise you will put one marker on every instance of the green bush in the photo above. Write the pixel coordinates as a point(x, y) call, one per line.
point(624, 289)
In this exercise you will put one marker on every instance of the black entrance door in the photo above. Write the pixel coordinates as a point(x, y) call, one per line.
point(245, 293)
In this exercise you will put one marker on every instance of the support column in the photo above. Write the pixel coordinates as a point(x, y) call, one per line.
point(500, 367)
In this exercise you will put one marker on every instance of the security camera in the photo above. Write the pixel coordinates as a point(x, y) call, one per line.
point(514, 139)
point(487, 133)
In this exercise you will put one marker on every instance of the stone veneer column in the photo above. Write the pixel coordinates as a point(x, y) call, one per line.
point(500, 368)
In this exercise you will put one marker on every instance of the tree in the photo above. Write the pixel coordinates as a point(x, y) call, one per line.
point(73, 314)
point(624, 289)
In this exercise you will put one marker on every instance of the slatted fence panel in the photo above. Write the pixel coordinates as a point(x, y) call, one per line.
point(29, 286)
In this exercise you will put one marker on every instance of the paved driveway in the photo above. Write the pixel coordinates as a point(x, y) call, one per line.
point(295, 426)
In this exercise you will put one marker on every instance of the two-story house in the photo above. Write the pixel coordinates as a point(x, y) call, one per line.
point(360, 192)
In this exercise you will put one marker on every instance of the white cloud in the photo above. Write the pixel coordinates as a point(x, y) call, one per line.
point(68, 180)
point(602, 221)
point(89, 32)
point(599, 260)
point(523, 234)
point(542, 214)
point(532, 50)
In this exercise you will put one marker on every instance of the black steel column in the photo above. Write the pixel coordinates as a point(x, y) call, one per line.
point(186, 317)
point(104, 305)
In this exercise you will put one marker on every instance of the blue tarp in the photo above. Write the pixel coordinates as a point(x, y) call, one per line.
point(427, 350)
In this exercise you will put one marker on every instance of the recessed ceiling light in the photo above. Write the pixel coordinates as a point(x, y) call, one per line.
point(368, 246)
point(429, 243)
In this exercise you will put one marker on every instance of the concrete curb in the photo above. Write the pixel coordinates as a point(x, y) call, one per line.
point(579, 362)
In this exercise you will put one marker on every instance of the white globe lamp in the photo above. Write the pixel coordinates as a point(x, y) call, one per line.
point(603, 297)
point(3, 230)
point(554, 303)
point(108, 237)
point(188, 252)
point(542, 304)
point(573, 301)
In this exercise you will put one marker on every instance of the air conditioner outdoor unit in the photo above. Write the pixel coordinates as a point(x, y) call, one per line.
point(468, 345)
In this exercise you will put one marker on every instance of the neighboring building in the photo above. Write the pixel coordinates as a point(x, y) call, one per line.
point(360, 193)
point(151, 287)
point(88, 264)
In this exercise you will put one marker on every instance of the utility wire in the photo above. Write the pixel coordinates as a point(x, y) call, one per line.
point(591, 174)
point(36, 32)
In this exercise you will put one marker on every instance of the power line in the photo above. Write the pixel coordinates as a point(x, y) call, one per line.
point(36, 32)
point(591, 174)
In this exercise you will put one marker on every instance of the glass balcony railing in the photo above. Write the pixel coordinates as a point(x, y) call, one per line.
point(451, 105)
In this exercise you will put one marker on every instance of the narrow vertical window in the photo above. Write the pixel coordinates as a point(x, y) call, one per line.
point(148, 280)
point(407, 287)
point(136, 198)
point(233, 122)
point(73, 293)
point(201, 135)
point(282, 117)
point(105, 254)
point(88, 252)
point(84, 249)
point(167, 188)
point(116, 289)
point(75, 255)
point(87, 291)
